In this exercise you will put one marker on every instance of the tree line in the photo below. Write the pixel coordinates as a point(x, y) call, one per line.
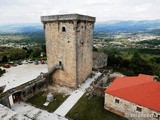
point(135, 65)
point(13, 54)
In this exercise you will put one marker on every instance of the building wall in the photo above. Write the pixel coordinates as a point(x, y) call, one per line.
point(72, 47)
point(5, 101)
point(23, 92)
point(61, 47)
point(128, 109)
point(84, 49)
point(99, 60)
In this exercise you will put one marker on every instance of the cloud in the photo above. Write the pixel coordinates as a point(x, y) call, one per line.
point(19, 11)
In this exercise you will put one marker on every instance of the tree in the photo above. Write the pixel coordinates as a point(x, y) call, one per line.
point(2, 71)
point(139, 65)
point(43, 47)
point(156, 60)
point(28, 51)
point(4, 59)
point(36, 52)
point(136, 59)
point(17, 54)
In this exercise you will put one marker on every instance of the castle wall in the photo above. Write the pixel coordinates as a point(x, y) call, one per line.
point(61, 47)
point(84, 49)
point(5, 101)
point(23, 92)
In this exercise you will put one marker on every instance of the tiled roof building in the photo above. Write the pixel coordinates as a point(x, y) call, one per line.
point(134, 97)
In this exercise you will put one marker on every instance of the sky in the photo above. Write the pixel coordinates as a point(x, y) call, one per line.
point(29, 11)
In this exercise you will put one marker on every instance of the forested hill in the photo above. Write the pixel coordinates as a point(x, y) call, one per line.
point(152, 26)
point(128, 26)
point(21, 28)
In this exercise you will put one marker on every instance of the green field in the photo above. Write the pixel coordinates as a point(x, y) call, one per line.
point(91, 110)
point(39, 99)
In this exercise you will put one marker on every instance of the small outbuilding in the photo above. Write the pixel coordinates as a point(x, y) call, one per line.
point(135, 97)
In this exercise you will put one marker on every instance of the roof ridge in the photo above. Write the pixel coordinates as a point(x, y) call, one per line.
point(132, 86)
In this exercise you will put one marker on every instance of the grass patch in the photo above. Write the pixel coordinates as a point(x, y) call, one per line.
point(39, 99)
point(91, 110)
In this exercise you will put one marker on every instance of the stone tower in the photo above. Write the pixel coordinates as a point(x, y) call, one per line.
point(69, 43)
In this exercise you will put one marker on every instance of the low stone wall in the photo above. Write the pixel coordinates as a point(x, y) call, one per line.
point(23, 92)
point(5, 101)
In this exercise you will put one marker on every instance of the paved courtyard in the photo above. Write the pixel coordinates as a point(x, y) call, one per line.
point(16, 76)
point(34, 113)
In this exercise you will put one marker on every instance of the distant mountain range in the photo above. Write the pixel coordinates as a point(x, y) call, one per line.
point(108, 26)
point(21, 28)
point(129, 26)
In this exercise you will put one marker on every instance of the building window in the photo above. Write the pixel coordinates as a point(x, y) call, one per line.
point(82, 43)
point(155, 115)
point(63, 29)
point(116, 101)
point(60, 63)
point(139, 109)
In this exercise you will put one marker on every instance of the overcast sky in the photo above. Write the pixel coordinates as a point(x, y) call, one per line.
point(29, 11)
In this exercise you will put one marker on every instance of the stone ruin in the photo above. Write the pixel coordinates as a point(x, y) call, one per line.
point(99, 85)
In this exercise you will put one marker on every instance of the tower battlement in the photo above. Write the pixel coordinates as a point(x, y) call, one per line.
point(67, 17)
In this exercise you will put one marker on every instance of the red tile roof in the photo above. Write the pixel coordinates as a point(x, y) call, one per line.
point(141, 90)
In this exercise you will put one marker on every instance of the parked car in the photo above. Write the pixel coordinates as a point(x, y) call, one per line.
point(25, 62)
point(29, 61)
point(42, 62)
point(19, 63)
point(6, 66)
point(36, 62)
point(12, 64)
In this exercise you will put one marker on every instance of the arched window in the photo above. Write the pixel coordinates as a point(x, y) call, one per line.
point(63, 29)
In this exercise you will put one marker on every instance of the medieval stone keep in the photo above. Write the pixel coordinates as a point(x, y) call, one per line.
point(69, 44)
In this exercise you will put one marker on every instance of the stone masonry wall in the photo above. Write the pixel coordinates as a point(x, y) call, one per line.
point(69, 42)
point(5, 101)
point(84, 47)
point(127, 108)
point(61, 47)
